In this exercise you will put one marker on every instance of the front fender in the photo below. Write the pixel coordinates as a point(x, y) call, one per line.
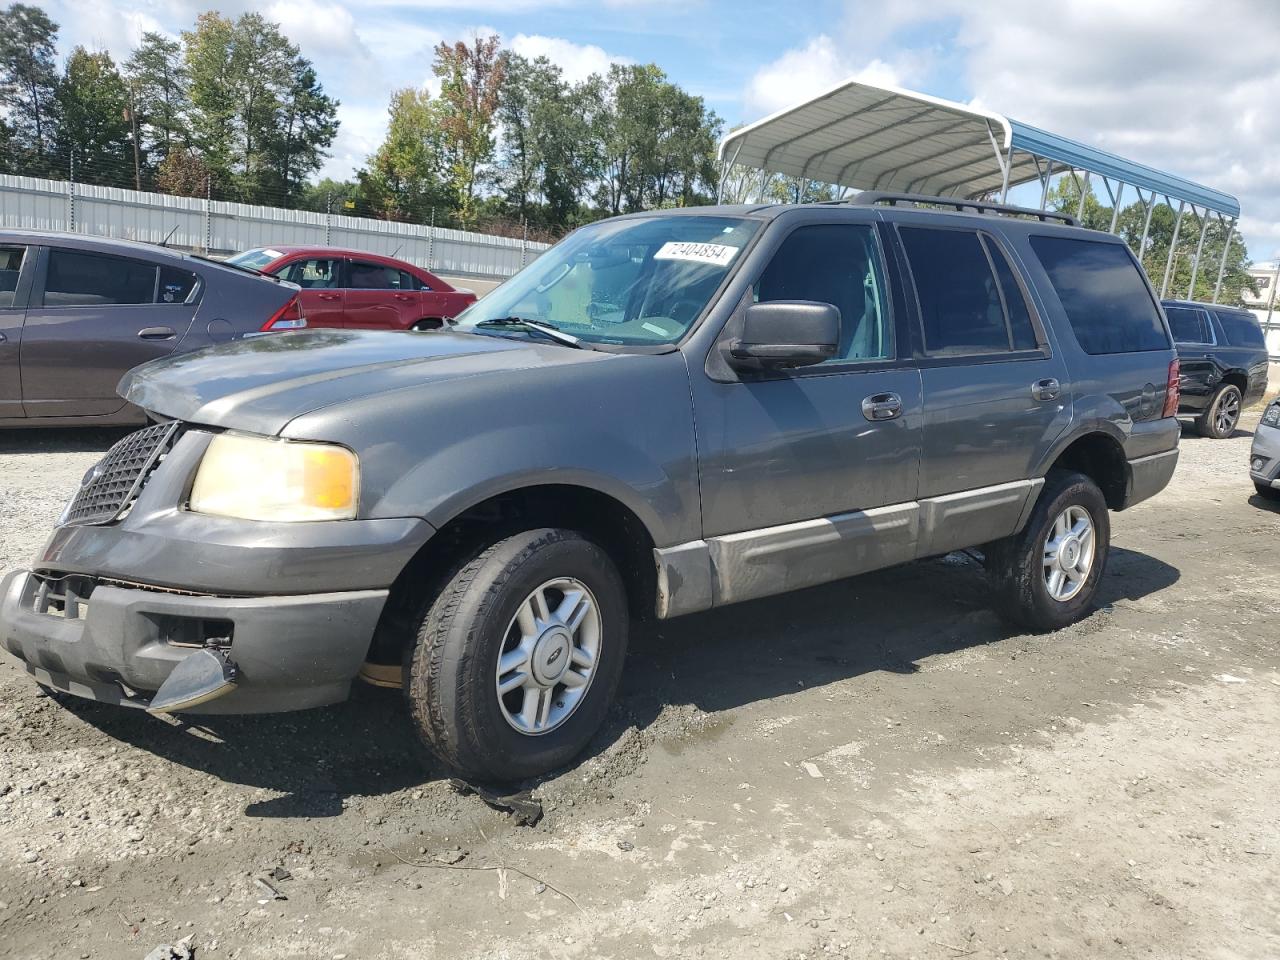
point(620, 425)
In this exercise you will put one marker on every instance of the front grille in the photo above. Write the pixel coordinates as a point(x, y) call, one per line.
point(111, 487)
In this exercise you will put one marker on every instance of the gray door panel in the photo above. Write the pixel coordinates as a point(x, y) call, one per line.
point(779, 451)
point(983, 425)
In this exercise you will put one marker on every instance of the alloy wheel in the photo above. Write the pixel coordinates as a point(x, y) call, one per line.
point(1068, 553)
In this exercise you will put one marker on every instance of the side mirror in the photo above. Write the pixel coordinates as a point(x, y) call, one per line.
point(787, 333)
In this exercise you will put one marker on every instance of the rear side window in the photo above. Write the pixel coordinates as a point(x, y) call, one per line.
point(374, 276)
point(1188, 325)
point(10, 269)
point(965, 308)
point(1103, 294)
point(175, 285)
point(86, 279)
point(1242, 329)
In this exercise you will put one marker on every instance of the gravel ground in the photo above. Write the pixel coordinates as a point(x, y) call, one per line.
point(878, 767)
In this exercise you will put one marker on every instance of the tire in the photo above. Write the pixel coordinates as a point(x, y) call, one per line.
point(1018, 566)
point(483, 612)
point(429, 323)
point(1218, 420)
point(1266, 492)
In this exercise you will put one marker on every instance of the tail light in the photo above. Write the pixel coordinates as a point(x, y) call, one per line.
point(1172, 390)
point(288, 317)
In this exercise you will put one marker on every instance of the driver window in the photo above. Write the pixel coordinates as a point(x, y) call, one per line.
point(835, 263)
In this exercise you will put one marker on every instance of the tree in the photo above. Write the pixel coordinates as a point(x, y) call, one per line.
point(93, 108)
point(184, 174)
point(307, 123)
point(29, 76)
point(157, 78)
point(471, 78)
point(408, 177)
point(260, 117)
point(657, 142)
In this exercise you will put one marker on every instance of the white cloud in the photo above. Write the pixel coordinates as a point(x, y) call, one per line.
point(802, 73)
point(1179, 85)
point(577, 61)
point(321, 28)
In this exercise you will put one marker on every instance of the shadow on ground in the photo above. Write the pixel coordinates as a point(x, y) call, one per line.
point(886, 621)
point(69, 440)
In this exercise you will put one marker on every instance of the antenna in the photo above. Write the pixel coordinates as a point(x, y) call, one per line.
point(395, 251)
point(169, 236)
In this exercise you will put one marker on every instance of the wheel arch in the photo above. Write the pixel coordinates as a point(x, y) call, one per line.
point(598, 515)
point(1100, 456)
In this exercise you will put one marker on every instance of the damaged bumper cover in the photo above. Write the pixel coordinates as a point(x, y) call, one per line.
point(121, 644)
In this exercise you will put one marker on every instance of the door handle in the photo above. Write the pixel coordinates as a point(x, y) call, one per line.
point(1046, 389)
point(328, 296)
point(156, 333)
point(403, 296)
point(882, 406)
point(3, 338)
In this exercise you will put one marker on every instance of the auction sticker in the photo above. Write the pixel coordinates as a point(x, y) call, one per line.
point(716, 253)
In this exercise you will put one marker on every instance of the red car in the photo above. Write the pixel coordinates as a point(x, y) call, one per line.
point(349, 288)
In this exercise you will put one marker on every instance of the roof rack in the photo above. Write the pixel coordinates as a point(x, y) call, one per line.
point(870, 198)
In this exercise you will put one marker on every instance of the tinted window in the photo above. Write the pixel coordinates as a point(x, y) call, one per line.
point(1242, 329)
point(313, 273)
point(175, 285)
point(408, 281)
point(10, 268)
point(837, 264)
point(88, 279)
point(1188, 325)
point(962, 307)
point(372, 276)
point(1103, 294)
point(1015, 301)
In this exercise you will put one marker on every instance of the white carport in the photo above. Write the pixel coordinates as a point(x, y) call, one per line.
point(858, 136)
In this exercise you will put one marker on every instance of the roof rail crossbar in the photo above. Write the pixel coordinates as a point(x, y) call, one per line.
point(868, 198)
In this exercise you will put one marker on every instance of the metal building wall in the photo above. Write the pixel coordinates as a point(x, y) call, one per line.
point(220, 227)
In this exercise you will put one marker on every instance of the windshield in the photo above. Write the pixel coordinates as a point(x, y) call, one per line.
point(256, 259)
point(635, 281)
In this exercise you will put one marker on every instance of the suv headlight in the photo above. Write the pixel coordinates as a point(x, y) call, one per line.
point(256, 478)
point(1271, 416)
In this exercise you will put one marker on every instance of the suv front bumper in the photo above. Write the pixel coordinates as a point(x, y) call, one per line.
point(1264, 456)
point(120, 645)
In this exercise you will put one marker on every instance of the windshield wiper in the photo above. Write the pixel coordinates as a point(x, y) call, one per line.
point(546, 329)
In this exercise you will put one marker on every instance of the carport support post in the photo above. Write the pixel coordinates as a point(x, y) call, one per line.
point(328, 219)
point(1115, 207)
point(1222, 263)
point(71, 197)
point(1173, 245)
point(1084, 192)
point(431, 242)
point(208, 212)
point(1146, 224)
point(1195, 264)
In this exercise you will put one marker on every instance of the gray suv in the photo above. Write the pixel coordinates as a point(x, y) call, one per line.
point(667, 412)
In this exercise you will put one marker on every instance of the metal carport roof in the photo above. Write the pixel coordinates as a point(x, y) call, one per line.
point(863, 136)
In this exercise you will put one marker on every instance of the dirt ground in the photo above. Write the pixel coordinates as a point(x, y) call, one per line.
point(874, 768)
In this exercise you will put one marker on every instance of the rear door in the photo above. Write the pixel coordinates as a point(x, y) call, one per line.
point(1196, 342)
point(16, 268)
point(322, 295)
point(994, 391)
point(92, 316)
point(380, 297)
point(1244, 348)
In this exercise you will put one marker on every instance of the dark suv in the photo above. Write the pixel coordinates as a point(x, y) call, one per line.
point(667, 412)
point(1224, 362)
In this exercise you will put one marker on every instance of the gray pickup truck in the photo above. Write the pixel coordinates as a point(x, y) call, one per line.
point(666, 413)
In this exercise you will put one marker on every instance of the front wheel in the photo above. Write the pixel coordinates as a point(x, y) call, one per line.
point(1266, 491)
point(1219, 419)
point(517, 658)
point(1046, 576)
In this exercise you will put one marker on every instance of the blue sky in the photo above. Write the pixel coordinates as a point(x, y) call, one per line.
point(1187, 85)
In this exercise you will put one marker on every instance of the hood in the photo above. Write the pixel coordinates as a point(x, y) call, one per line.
point(260, 384)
